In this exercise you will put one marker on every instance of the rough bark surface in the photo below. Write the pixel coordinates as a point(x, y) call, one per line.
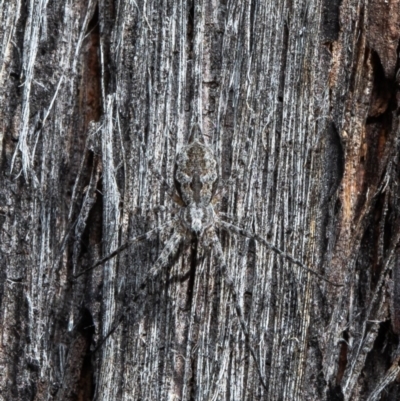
point(299, 99)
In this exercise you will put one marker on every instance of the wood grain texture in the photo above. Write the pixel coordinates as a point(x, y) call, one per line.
point(299, 101)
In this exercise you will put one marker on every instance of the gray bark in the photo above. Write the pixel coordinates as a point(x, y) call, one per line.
point(299, 101)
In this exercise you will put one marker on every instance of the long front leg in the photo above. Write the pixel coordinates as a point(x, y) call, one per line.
point(142, 237)
point(230, 284)
point(240, 231)
point(164, 183)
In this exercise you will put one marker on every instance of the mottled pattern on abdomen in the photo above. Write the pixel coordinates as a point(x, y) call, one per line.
point(196, 160)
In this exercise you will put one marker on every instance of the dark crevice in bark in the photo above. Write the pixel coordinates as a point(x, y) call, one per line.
point(335, 394)
point(335, 155)
point(192, 274)
point(91, 238)
point(14, 91)
point(379, 124)
point(20, 29)
point(330, 20)
point(333, 170)
point(91, 83)
point(380, 357)
point(19, 359)
point(253, 28)
point(86, 380)
point(194, 262)
point(393, 219)
point(396, 295)
point(368, 267)
point(392, 392)
point(17, 60)
point(193, 386)
point(342, 358)
point(383, 90)
point(315, 375)
point(75, 378)
point(95, 221)
point(281, 87)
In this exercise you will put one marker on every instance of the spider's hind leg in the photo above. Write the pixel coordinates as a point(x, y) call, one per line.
point(230, 284)
point(231, 228)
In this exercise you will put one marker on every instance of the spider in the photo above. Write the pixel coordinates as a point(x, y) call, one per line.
point(196, 182)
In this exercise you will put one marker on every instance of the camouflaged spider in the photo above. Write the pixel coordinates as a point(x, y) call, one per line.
point(196, 181)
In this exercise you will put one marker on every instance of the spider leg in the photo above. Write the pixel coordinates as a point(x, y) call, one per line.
point(230, 283)
point(162, 261)
point(240, 231)
point(114, 253)
point(170, 191)
point(164, 183)
point(169, 249)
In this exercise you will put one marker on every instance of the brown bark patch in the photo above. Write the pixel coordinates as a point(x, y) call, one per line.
point(384, 32)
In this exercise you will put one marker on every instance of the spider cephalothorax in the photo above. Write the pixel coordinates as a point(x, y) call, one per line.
point(196, 180)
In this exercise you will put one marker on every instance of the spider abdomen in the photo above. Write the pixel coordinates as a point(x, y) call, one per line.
point(196, 174)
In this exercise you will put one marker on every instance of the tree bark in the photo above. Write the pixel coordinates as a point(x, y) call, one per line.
point(299, 100)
